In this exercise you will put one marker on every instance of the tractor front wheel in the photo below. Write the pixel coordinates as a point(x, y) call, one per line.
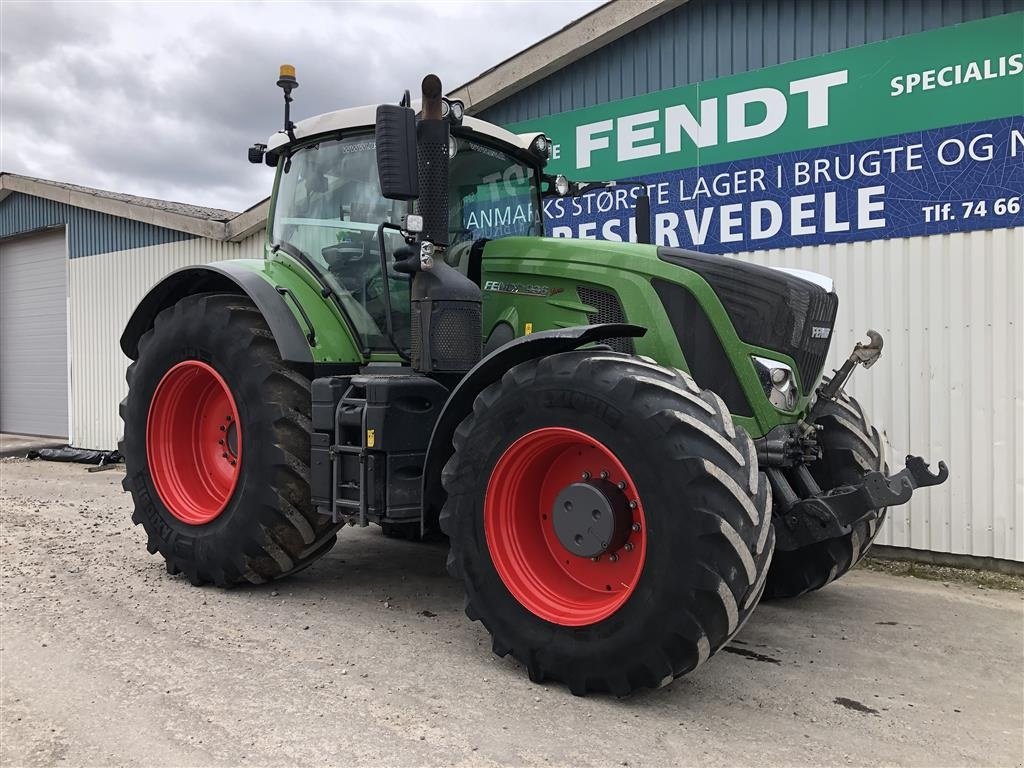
point(217, 446)
point(608, 521)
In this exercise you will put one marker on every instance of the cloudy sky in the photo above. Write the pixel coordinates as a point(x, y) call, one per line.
point(161, 99)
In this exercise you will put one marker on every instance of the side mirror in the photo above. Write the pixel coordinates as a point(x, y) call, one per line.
point(396, 152)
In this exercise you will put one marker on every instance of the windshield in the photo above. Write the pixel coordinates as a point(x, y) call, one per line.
point(490, 194)
point(329, 206)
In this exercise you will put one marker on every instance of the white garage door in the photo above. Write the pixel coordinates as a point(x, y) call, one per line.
point(34, 335)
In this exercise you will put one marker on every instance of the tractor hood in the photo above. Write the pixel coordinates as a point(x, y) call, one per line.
point(635, 256)
point(791, 312)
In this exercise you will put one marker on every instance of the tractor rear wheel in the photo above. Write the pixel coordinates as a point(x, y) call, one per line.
point(608, 521)
point(850, 446)
point(217, 446)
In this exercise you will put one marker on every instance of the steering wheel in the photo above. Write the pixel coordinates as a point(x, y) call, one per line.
point(341, 255)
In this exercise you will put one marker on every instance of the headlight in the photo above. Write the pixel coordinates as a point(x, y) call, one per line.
point(453, 110)
point(561, 185)
point(453, 147)
point(778, 382)
point(541, 145)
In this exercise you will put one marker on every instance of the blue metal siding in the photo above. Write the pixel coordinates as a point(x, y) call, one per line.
point(89, 232)
point(706, 39)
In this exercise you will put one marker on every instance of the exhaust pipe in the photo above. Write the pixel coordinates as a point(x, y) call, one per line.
point(432, 137)
point(446, 305)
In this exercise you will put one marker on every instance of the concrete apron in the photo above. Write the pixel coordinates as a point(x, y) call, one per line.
point(19, 445)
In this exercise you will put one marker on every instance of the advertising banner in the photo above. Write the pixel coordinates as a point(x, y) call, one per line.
point(917, 135)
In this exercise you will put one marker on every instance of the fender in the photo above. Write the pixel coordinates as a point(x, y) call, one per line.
point(487, 371)
point(293, 340)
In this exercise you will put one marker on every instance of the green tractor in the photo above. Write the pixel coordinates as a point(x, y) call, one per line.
point(627, 446)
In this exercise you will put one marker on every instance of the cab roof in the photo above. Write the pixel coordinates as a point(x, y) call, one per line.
point(366, 117)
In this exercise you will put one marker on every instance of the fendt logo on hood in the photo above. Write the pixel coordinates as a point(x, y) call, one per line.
point(497, 286)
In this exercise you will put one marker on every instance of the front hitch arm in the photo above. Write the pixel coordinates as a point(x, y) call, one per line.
point(863, 354)
point(830, 514)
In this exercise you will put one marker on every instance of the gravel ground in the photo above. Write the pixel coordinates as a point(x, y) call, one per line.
point(367, 658)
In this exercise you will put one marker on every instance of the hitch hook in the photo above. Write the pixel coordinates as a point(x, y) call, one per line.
point(881, 491)
point(863, 354)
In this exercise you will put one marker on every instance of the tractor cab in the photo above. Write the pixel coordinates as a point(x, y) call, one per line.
point(328, 208)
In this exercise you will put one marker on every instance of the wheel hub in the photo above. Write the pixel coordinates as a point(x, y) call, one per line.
point(194, 442)
point(591, 518)
point(543, 493)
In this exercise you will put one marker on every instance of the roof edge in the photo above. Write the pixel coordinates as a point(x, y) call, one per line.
point(237, 228)
point(216, 230)
point(248, 222)
point(587, 34)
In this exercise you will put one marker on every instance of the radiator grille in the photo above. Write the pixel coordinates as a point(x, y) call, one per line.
point(769, 308)
point(609, 310)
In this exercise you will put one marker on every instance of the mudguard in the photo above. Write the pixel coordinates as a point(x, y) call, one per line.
point(293, 341)
point(487, 371)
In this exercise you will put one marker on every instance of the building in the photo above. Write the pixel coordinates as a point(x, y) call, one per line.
point(74, 262)
point(877, 142)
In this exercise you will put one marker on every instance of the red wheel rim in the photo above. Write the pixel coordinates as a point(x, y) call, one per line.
point(194, 442)
point(541, 574)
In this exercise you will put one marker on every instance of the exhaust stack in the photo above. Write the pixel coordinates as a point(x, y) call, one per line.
point(446, 305)
point(432, 157)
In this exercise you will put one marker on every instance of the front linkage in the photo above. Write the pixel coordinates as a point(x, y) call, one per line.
point(810, 514)
point(830, 514)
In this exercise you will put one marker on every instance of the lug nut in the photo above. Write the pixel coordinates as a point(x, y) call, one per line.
point(233, 462)
point(636, 527)
point(220, 442)
point(595, 558)
point(628, 546)
point(604, 474)
point(621, 485)
point(632, 505)
point(223, 428)
point(586, 475)
point(224, 455)
point(613, 557)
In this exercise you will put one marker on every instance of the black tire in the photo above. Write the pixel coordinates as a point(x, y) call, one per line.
point(850, 447)
point(704, 500)
point(269, 527)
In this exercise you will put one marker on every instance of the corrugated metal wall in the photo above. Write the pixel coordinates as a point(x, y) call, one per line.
point(89, 232)
point(706, 39)
point(950, 382)
point(105, 288)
